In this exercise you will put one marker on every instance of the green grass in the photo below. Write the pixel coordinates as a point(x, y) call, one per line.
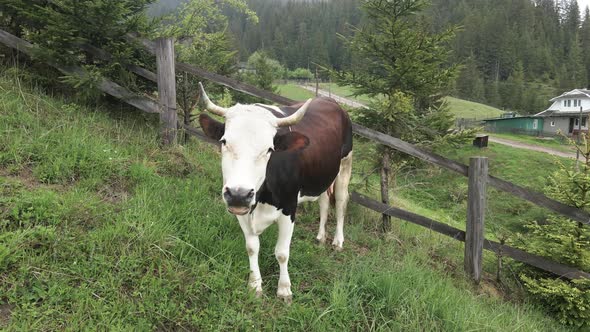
point(555, 143)
point(294, 92)
point(100, 229)
point(472, 110)
point(345, 91)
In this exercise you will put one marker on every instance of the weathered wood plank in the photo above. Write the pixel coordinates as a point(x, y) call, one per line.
point(143, 103)
point(167, 90)
point(386, 224)
point(536, 261)
point(410, 149)
point(476, 207)
point(408, 216)
point(516, 254)
point(540, 200)
point(105, 56)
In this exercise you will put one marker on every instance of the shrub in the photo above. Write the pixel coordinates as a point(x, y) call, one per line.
point(565, 241)
point(300, 74)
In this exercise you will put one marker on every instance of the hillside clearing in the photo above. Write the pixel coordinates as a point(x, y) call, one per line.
point(459, 108)
point(471, 110)
point(102, 230)
point(294, 92)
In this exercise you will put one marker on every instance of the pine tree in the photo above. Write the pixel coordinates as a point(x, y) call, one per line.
point(470, 83)
point(404, 64)
point(564, 241)
point(585, 44)
point(513, 95)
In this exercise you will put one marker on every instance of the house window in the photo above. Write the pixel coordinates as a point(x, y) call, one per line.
point(535, 121)
point(569, 103)
point(564, 103)
point(584, 122)
point(577, 122)
point(552, 123)
point(575, 103)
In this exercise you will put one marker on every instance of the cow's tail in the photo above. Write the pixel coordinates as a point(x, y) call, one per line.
point(331, 195)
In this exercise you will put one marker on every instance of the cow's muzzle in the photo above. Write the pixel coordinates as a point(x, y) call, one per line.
point(238, 200)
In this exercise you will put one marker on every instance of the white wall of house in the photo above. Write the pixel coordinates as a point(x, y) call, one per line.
point(571, 102)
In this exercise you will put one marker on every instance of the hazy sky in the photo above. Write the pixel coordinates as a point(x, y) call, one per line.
point(583, 4)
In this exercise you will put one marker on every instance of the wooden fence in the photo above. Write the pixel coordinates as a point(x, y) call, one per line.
point(477, 171)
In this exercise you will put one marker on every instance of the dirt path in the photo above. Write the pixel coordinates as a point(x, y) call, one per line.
point(521, 145)
point(340, 99)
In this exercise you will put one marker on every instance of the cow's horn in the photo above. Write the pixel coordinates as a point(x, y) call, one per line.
point(209, 104)
point(295, 117)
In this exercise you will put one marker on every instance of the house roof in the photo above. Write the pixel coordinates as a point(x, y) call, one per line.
point(513, 118)
point(574, 92)
point(555, 113)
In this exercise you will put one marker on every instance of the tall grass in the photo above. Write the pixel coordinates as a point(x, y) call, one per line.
point(103, 230)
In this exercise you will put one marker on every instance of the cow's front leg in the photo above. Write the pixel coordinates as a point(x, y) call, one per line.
point(282, 255)
point(252, 247)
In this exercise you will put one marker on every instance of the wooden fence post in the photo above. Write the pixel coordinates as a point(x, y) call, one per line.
point(167, 89)
point(476, 206)
point(386, 225)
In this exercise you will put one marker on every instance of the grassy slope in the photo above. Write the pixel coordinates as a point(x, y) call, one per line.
point(472, 110)
point(294, 92)
point(345, 91)
point(101, 229)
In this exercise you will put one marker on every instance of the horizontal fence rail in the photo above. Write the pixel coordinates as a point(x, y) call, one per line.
point(457, 234)
point(150, 106)
point(143, 103)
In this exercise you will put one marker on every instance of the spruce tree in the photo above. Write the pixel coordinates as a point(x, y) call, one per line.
point(403, 64)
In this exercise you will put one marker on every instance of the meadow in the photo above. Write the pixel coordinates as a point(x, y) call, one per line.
point(460, 108)
point(102, 229)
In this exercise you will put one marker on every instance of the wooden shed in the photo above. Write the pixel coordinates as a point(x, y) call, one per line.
point(529, 125)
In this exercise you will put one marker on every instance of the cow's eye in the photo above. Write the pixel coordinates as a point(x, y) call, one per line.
point(270, 150)
point(223, 141)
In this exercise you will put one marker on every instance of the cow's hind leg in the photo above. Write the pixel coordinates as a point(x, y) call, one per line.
point(282, 255)
point(324, 202)
point(341, 195)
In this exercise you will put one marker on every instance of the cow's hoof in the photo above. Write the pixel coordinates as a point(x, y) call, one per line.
point(288, 299)
point(321, 239)
point(337, 245)
point(259, 294)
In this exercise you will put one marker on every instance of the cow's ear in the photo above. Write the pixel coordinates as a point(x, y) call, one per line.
point(291, 141)
point(212, 128)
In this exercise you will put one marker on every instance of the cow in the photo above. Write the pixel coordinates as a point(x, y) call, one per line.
point(272, 159)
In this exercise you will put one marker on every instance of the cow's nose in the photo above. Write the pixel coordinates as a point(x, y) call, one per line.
point(238, 196)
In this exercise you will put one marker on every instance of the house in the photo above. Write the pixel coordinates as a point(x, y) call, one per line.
point(563, 116)
point(565, 112)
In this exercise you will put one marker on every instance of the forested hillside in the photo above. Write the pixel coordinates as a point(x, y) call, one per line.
point(517, 54)
point(299, 33)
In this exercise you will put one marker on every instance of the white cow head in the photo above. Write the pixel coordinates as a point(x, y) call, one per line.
point(248, 139)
